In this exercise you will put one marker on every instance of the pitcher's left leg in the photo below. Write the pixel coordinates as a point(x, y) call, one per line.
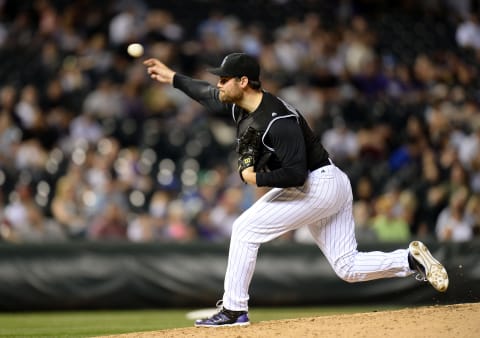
point(335, 235)
point(336, 239)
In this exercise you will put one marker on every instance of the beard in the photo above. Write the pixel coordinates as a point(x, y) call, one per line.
point(229, 98)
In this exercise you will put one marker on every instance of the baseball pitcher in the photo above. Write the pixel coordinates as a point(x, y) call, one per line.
point(276, 148)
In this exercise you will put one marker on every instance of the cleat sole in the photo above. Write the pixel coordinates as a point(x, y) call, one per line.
point(435, 272)
point(222, 325)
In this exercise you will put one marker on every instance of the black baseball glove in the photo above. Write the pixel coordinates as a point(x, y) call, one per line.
point(250, 151)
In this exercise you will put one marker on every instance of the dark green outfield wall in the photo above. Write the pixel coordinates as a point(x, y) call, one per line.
point(129, 276)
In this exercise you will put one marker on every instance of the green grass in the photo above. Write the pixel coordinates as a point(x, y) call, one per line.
point(95, 323)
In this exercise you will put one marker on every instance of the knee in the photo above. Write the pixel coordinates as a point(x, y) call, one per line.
point(236, 226)
point(346, 276)
point(343, 269)
point(238, 230)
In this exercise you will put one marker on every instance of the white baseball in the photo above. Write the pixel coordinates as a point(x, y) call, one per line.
point(135, 50)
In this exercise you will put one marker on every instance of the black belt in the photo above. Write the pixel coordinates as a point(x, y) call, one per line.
point(322, 163)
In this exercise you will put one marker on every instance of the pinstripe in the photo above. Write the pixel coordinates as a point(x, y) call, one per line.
point(324, 204)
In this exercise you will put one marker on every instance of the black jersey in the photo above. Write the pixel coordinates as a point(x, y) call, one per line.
point(296, 150)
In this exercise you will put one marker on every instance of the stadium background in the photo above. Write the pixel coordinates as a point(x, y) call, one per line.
point(93, 154)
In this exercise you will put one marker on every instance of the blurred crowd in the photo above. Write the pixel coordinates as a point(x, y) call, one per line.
point(92, 149)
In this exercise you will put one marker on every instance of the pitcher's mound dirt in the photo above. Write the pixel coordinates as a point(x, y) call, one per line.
point(449, 321)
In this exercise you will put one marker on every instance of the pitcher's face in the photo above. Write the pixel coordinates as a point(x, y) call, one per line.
point(230, 89)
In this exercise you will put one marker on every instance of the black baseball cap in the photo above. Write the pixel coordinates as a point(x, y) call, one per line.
point(238, 65)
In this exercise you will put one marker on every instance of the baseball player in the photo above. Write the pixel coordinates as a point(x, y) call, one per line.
point(276, 148)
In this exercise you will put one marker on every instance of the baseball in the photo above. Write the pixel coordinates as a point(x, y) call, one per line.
point(135, 50)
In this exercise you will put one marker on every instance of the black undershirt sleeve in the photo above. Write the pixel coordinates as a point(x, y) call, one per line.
point(286, 138)
point(201, 91)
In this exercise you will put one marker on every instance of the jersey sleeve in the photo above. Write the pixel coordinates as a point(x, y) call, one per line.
point(202, 92)
point(286, 138)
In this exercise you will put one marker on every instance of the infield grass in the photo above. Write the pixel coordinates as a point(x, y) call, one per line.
point(97, 323)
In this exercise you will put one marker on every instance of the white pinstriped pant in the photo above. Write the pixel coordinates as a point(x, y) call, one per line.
point(324, 204)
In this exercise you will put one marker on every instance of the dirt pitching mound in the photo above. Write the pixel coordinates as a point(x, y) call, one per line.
point(460, 320)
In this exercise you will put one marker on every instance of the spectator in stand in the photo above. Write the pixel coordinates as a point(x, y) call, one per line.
point(370, 79)
point(357, 45)
point(176, 226)
point(142, 229)
point(27, 110)
point(458, 178)
point(126, 25)
point(432, 194)
point(67, 205)
point(403, 86)
point(469, 148)
point(104, 101)
point(6, 232)
point(110, 224)
point(454, 223)
point(468, 32)
point(10, 134)
point(388, 223)
point(341, 142)
point(224, 214)
point(473, 211)
point(8, 97)
point(26, 219)
point(30, 156)
point(85, 127)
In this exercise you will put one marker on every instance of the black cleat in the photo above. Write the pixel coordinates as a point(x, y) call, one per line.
point(225, 318)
